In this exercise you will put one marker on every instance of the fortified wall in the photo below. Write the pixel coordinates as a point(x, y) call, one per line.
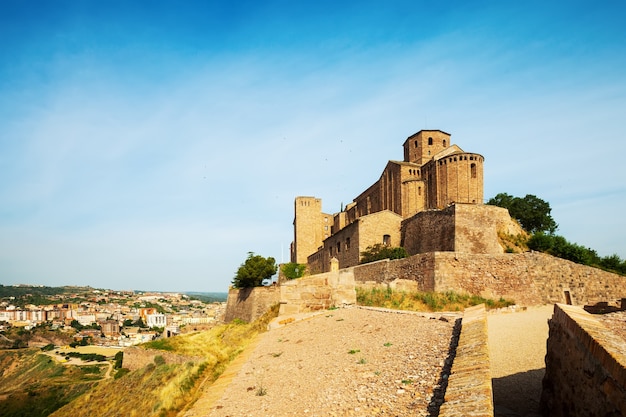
point(248, 304)
point(585, 367)
point(530, 278)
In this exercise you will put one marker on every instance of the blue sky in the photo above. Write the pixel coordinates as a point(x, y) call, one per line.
point(151, 145)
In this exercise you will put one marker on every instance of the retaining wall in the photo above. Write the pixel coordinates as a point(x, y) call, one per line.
point(318, 292)
point(585, 367)
point(469, 391)
point(248, 304)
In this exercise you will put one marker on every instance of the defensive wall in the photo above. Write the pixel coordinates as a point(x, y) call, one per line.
point(585, 367)
point(248, 304)
point(530, 278)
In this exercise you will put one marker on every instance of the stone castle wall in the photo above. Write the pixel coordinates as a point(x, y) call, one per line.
point(529, 278)
point(248, 304)
point(585, 367)
point(317, 292)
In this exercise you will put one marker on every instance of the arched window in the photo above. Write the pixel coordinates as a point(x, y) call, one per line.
point(473, 169)
point(444, 143)
point(430, 141)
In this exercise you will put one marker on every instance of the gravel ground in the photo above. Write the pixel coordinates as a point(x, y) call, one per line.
point(517, 349)
point(614, 321)
point(342, 363)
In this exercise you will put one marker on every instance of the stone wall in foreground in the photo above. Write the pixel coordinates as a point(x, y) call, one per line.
point(469, 391)
point(585, 367)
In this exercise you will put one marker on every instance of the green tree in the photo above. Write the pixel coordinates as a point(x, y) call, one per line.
point(254, 270)
point(532, 213)
point(293, 270)
point(379, 251)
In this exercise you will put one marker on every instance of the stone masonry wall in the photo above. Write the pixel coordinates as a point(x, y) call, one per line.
point(469, 391)
point(136, 358)
point(529, 278)
point(585, 367)
point(428, 231)
point(415, 273)
point(248, 304)
point(317, 292)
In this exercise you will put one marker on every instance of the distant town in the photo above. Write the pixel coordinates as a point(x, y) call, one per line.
point(107, 317)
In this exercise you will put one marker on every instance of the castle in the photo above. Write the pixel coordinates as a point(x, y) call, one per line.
point(434, 176)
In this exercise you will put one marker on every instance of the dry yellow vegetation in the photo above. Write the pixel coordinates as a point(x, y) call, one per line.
point(163, 390)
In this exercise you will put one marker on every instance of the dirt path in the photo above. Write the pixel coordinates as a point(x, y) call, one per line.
point(517, 347)
point(341, 363)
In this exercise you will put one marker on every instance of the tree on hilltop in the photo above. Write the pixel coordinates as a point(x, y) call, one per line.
point(532, 213)
point(254, 270)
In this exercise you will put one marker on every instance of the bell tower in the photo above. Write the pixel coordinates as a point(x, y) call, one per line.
point(423, 145)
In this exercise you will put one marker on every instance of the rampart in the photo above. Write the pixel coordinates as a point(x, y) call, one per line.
point(136, 358)
point(585, 367)
point(469, 391)
point(318, 292)
point(248, 304)
point(530, 278)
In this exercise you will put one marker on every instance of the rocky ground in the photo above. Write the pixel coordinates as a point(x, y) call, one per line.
point(341, 363)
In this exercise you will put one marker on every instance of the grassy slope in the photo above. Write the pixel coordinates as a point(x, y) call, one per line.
point(163, 390)
point(33, 384)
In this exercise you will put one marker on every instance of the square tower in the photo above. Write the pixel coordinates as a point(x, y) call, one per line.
point(423, 145)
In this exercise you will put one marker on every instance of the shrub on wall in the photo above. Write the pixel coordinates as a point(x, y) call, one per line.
point(293, 270)
point(379, 252)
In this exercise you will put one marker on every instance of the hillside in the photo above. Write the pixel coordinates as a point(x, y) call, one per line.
point(34, 384)
point(162, 389)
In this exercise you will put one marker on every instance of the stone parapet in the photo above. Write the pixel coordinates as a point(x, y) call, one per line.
point(585, 367)
point(469, 391)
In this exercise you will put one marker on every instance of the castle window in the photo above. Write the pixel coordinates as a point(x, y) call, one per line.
point(430, 141)
point(416, 144)
point(347, 243)
point(444, 143)
point(386, 240)
point(473, 169)
point(338, 247)
point(419, 190)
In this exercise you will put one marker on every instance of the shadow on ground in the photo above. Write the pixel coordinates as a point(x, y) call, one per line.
point(518, 395)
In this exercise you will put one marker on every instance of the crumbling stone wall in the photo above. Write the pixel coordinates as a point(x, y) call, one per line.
point(248, 304)
point(585, 367)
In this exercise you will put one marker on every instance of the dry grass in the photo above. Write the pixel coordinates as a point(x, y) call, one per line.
point(424, 301)
point(163, 390)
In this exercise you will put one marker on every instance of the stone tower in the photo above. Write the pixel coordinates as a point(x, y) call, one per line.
point(310, 226)
point(423, 145)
